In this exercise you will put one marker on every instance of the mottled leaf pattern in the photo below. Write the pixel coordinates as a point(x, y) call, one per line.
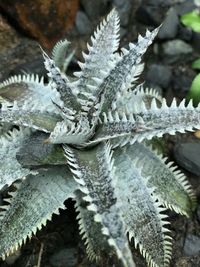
point(29, 88)
point(36, 199)
point(141, 213)
point(10, 168)
point(93, 171)
point(171, 186)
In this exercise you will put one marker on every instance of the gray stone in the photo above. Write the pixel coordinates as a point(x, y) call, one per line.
point(170, 25)
point(176, 47)
point(16, 52)
point(187, 156)
point(95, 8)
point(83, 24)
point(184, 7)
point(175, 50)
point(159, 75)
point(181, 81)
point(66, 257)
point(185, 33)
point(152, 12)
point(196, 40)
point(191, 245)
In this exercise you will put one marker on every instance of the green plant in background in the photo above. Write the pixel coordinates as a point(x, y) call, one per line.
point(192, 20)
point(85, 139)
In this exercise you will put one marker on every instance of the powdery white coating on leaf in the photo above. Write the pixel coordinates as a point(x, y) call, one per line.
point(96, 243)
point(93, 171)
point(65, 132)
point(125, 70)
point(27, 115)
point(70, 104)
point(10, 168)
point(60, 55)
point(99, 60)
point(170, 184)
point(141, 213)
point(37, 198)
point(139, 96)
point(29, 88)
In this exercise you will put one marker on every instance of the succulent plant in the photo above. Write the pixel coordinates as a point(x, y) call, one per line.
point(85, 138)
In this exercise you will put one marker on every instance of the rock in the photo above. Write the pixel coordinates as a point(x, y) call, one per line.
point(170, 25)
point(183, 262)
point(185, 33)
point(83, 24)
point(17, 53)
point(124, 9)
point(187, 155)
point(196, 40)
point(45, 20)
point(95, 9)
point(184, 7)
point(181, 81)
point(152, 12)
point(66, 257)
point(191, 245)
point(175, 49)
point(159, 75)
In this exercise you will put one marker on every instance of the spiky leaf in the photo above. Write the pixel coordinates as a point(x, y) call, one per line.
point(10, 168)
point(70, 105)
point(125, 71)
point(147, 123)
point(60, 55)
point(29, 88)
point(37, 198)
point(30, 116)
point(93, 171)
point(141, 213)
point(171, 186)
point(96, 243)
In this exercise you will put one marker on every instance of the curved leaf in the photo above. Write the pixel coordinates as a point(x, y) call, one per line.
point(93, 171)
point(141, 212)
point(37, 198)
point(29, 88)
point(10, 168)
point(60, 55)
point(31, 116)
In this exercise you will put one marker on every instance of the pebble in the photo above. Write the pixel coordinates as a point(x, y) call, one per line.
point(181, 81)
point(196, 41)
point(175, 50)
point(187, 156)
point(15, 50)
point(66, 257)
point(184, 7)
point(95, 9)
point(83, 24)
point(152, 12)
point(176, 47)
point(185, 33)
point(159, 75)
point(170, 25)
point(191, 245)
